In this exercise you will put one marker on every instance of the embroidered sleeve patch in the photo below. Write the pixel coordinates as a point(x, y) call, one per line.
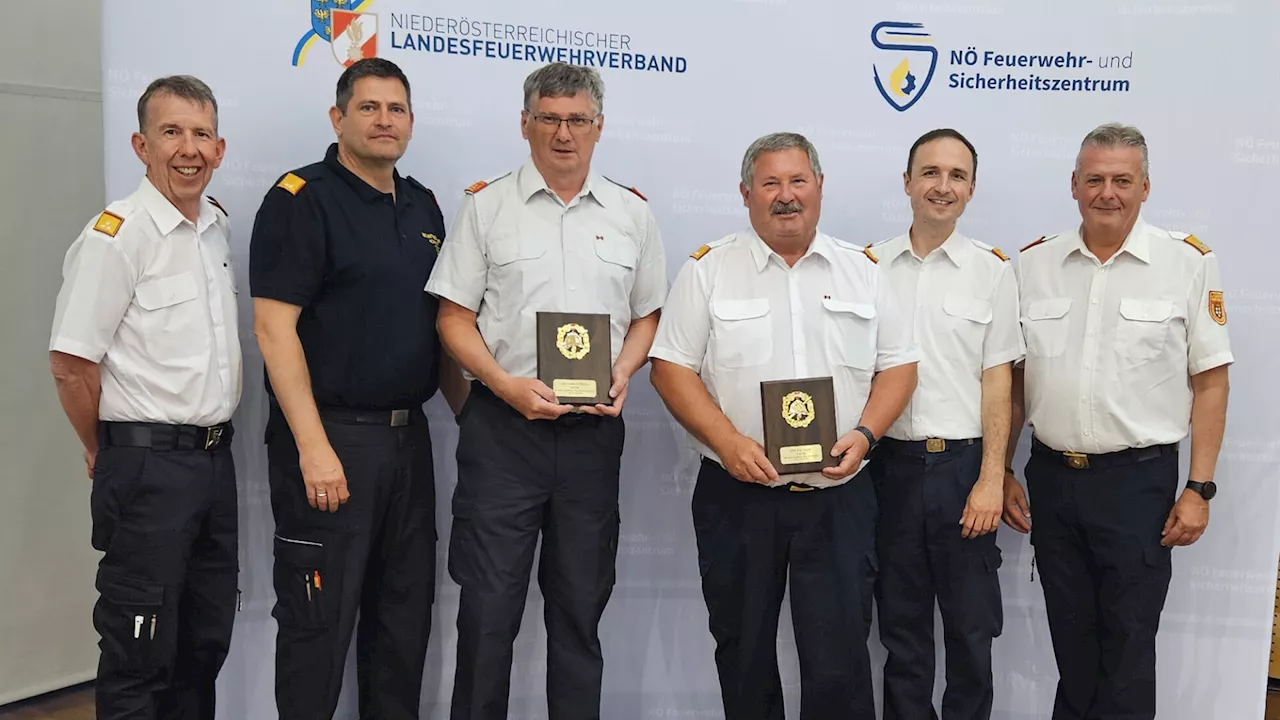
point(1217, 307)
point(292, 183)
point(108, 223)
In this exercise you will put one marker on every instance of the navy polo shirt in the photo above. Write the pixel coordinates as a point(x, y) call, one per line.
point(356, 261)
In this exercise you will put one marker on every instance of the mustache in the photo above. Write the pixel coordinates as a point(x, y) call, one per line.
point(781, 208)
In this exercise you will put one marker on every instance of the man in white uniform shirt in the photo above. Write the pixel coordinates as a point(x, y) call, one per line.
point(146, 356)
point(552, 236)
point(1127, 344)
point(784, 301)
point(939, 470)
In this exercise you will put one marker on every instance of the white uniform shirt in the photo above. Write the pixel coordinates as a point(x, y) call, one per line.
point(1110, 346)
point(739, 316)
point(961, 303)
point(151, 297)
point(516, 249)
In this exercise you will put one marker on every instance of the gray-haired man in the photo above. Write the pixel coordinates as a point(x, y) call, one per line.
point(551, 236)
point(777, 302)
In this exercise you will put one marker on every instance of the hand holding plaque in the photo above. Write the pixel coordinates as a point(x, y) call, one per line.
point(799, 424)
point(575, 357)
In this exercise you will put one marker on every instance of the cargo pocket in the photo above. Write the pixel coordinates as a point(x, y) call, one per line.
point(987, 567)
point(128, 616)
point(299, 580)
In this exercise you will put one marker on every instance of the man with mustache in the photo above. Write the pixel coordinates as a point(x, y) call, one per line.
point(784, 301)
point(1126, 336)
point(146, 357)
point(339, 255)
point(552, 236)
point(939, 471)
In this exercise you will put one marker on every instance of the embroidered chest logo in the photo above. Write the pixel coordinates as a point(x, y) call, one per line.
point(435, 241)
point(797, 409)
point(573, 341)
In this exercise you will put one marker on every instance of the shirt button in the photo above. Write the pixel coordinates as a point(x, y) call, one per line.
point(1086, 433)
point(1087, 366)
point(1091, 333)
point(573, 287)
point(1095, 301)
point(915, 419)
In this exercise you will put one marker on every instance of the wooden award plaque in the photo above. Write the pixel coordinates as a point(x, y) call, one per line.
point(575, 357)
point(799, 424)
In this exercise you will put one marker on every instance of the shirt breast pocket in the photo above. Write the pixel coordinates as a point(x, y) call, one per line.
point(172, 322)
point(516, 279)
point(1045, 326)
point(618, 257)
point(968, 318)
point(850, 333)
point(1143, 328)
point(742, 332)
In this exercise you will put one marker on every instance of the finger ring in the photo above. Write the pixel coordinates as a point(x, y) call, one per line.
point(321, 494)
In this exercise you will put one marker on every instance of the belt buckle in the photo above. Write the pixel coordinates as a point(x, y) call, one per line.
point(935, 445)
point(802, 488)
point(212, 436)
point(1077, 461)
point(399, 418)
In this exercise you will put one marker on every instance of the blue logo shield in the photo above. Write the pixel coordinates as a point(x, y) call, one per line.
point(902, 75)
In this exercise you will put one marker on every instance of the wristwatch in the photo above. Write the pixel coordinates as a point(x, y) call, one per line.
point(1206, 489)
point(870, 436)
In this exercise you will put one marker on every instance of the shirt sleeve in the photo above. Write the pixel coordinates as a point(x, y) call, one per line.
point(894, 344)
point(1208, 346)
point(461, 271)
point(97, 289)
point(1003, 342)
point(650, 288)
point(685, 327)
point(288, 247)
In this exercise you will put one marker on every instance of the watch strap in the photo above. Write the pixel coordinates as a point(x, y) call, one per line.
point(870, 436)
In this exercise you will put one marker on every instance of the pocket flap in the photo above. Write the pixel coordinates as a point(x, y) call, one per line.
point(616, 250)
point(740, 309)
point(969, 308)
point(510, 249)
point(302, 554)
point(1049, 308)
point(167, 291)
point(1145, 310)
point(122, 590)
point(862, 310)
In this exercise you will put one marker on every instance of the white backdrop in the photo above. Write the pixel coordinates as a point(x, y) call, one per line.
point(1192, 74)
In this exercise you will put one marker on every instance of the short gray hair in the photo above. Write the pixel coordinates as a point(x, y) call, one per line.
point(563, 80)
point(1115, 135)
point(773, 143)
point(186, 87)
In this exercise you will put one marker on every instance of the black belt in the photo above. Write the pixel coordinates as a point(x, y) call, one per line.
point(159, 436)
point(1082, 461)
point(922, 448)
point(386, 418)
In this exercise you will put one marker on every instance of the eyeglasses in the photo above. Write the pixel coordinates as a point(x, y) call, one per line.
point(577, 125)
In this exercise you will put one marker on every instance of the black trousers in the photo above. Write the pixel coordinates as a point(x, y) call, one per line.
point(518, 478)
point(1096, 535)
point(375, 556)
point(166, 519)
point(750, 538)
point(924, 558)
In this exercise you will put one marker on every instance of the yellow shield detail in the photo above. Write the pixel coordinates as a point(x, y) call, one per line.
point(797, 409)
point(573, 341)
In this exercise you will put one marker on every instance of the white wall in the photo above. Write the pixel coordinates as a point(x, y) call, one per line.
point(51, 183)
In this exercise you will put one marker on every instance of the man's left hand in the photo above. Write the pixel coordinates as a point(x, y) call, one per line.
point(853, 446)
point(1187, 520)
point(618, 391)
point(982, 509)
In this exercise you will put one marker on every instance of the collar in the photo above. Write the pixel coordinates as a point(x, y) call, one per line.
point(530, 182)
point(761, 252)
point(362, 189)
point(1137, 243)
point(166, 216)
point(954, 247)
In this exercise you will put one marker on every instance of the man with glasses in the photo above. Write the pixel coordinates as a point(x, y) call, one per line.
point(552, 236)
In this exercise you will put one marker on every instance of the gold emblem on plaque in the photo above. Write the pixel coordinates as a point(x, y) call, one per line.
point(797, 409)
point(573, 340)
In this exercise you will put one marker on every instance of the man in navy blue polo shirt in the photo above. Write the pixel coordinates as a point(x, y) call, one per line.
point(340, 253)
